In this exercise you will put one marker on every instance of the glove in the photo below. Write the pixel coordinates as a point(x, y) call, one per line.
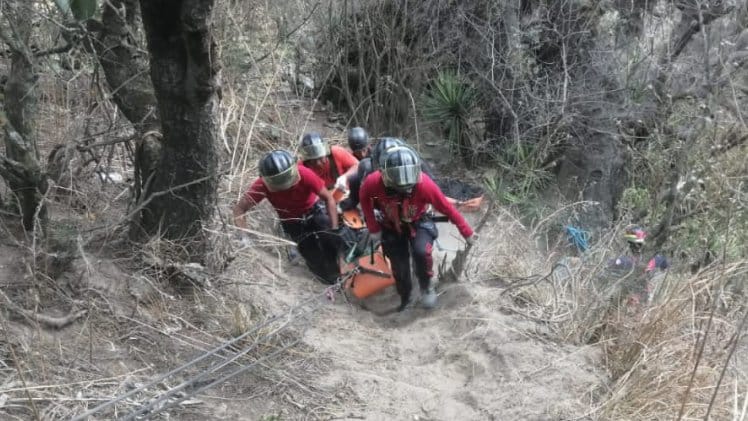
point(471, 240)
point(342, 183)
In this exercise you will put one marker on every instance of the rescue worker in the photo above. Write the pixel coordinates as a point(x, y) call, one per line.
point(305, 207)
point(332, 164)
point(403, 193)
point(644, 284)
point(372, 163)
point(358, 141)
point(365, 167)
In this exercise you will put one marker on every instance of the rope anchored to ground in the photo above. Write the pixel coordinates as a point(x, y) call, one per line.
point(217, 362)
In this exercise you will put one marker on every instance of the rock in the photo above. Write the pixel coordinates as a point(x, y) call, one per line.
point(112, 177)
point(592, 169)
point(305, 81)
point(270, 132)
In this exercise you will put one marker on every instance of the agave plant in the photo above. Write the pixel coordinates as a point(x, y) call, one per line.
point(80, 9)
point(449, 104)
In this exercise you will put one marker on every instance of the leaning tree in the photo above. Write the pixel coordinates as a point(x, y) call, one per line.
point(19, 166)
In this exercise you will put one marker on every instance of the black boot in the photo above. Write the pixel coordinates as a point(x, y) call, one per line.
point(405, 303)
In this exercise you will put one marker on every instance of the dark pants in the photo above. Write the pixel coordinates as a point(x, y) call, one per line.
point(316, 243)
point(416, 240)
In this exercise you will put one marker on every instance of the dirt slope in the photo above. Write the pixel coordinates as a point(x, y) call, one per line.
point(464, 360)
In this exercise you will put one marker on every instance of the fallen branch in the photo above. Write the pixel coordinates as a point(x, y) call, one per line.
point(49, 321)
point(116, 140)
point(455, 271)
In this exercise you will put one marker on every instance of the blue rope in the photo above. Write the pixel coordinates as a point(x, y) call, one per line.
point(578, 238)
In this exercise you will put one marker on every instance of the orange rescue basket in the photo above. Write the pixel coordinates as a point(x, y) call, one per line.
point(352, 218)
point(373, 274)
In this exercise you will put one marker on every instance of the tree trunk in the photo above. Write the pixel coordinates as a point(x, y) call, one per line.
point(125, 69)
point(20, 167)
point(185, 75)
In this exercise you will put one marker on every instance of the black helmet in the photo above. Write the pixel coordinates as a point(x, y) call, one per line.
point(401, 168)
point(313, 146)
point(378, 153)
point(278, 170)
point(358, 139)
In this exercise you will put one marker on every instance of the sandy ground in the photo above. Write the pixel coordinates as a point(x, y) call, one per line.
point(468, 359)
point(463, 360)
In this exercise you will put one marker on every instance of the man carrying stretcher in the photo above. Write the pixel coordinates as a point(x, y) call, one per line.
point(403, 193)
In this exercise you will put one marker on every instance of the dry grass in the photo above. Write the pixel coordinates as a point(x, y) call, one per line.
point(674, 355)
point(142, 322)
point(125, 342)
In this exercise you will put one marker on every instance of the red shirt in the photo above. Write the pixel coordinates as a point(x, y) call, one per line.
point(292, 203)
point(343, 160)
point(398, 210)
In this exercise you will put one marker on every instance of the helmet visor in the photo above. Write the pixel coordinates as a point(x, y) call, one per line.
point(634, 238)
point(402, 177)
point(282, 181)
point(314, 151)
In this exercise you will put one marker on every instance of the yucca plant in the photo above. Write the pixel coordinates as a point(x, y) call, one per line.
point(449, 104)
point(80, 9)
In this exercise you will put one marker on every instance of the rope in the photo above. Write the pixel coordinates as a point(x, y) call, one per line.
point(213, 352)
point(193, 380)
point(223, 379)
point(578, 238)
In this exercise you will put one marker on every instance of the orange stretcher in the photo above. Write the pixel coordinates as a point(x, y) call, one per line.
point(469, 205)
point(352, 218)
point(370, 273)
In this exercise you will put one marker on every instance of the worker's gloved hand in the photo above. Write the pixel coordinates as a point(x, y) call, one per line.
point(375, 238)
point(471, 240)
point(342, 183)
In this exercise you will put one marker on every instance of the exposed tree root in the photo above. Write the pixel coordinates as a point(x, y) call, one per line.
point(48, 321)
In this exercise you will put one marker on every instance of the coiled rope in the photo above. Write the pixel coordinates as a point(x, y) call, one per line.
point(578, 238)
